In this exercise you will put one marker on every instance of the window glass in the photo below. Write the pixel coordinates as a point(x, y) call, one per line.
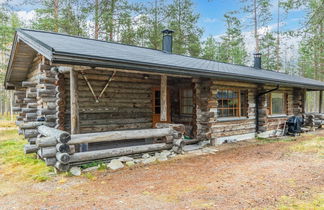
point(231, 103)
point(186, 101)
point(277, 103)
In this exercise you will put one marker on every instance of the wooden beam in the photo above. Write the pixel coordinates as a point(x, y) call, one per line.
point(119, 135)
point(107, 153)
point(321, 101)
point(74, 102)
point(164, 98)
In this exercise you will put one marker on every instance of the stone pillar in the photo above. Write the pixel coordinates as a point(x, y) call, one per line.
point(298, 101)
point(203, 103)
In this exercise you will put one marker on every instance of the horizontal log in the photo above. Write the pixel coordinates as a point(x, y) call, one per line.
point(50, 161)
point(30, 100)
point(114, 127)
point(30, 148)
point(61, 136)
point(32, 90)
point(63, 157)
point(27, 125)
point(32, 140)
point(46, 141)
point(46, 152)
point(63, 148)
point(16, 109)
point(32, 105)
point(31, 95)
point(46, 111)
point(118, 135)
point(117, 78)
point(107, 153)
point(115, 121)
point(30, 133)
point(28, 110)
point(62, 167)
point(31, 115)
point(45, 92)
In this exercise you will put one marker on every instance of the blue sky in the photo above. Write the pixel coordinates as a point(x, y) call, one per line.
point(212, 15)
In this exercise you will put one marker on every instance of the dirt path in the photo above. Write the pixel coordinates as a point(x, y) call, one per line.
point(248, 175)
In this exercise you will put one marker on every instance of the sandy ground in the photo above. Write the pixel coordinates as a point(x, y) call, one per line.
point(240, 176)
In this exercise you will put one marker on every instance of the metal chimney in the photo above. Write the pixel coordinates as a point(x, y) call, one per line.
point(167, 41)
point(257, 60)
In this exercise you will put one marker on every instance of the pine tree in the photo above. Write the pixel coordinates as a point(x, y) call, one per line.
point(268, 50)
point(65, 16)
point(311, 51)
point(259, 12)
point(156, 15)
point(183, 20)
point(233, 46)
point(210, 49)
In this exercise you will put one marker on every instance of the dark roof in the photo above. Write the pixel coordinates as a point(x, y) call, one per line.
point(61, 48)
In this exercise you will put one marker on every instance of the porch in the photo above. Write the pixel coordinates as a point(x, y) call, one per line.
point(106, 99)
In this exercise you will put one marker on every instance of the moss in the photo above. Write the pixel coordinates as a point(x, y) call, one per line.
point(316, 202)
point(14, 161)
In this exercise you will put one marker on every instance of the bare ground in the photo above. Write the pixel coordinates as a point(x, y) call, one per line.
point(240, 176)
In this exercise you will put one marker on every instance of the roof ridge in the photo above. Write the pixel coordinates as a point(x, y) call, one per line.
point(80, 37)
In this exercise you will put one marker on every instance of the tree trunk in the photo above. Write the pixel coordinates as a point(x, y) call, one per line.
point(119, 135)
point(100, 154)
point(97, 19)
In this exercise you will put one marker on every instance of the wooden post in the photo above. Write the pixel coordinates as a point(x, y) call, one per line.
point(74, 102)
point(320, 102)
point(163, 98)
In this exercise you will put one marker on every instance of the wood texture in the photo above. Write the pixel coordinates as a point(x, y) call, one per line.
point(164, 98)
point(74, 102)
point(119, 135)
point(100, 154)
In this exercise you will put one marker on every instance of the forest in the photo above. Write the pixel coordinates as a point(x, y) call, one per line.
point(140, 22)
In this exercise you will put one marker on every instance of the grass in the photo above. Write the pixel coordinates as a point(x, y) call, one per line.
point(316, 202)
point(272, 140)
point(15, 165)
point(313, 145)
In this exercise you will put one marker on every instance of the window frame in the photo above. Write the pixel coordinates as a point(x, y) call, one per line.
point(284, 105)
point(239, 102)
point(181, 97)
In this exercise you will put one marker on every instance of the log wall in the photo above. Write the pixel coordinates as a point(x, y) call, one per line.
point(125, 104)
point(35, 99)
point(223, 129)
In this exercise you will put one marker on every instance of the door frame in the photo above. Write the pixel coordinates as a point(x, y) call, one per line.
point(153, 106)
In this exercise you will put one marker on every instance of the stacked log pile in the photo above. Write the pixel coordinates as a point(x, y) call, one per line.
point(57, 147)
point(314, 120)
point(28, 100)
point(36, 102)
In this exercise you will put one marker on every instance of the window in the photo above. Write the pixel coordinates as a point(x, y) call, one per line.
point(186, 101)
point(277, 103)
point(232, 103)
point(157, 109)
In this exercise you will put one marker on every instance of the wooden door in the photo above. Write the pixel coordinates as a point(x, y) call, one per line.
point(157, 108)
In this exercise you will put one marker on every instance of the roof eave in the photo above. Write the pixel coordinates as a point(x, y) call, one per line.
point(9, 69)
point(66, 58)
point(37, 45)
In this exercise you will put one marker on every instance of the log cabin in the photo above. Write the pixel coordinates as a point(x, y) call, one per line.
point(84, 86)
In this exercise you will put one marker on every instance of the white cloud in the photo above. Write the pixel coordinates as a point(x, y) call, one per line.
point(211, 20)
point(27, 17)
